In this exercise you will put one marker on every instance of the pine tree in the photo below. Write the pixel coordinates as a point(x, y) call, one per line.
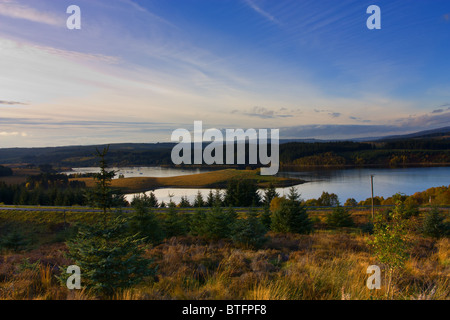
point(198, 201)
point(174, 224)
point(153, 201)
point(291, 216)
point(269, 194)
point(149, 201)
point(266, 217)
point(340, 218)
point(197, 223)
point(434, 225)
point(219, 223)
point(109, 258)
point(14, 241)
point(184, 202)
point(242, 193)
point(210, 199)
point(249, 231)
point(145, 223)
point(218, 201)
point(102, 195)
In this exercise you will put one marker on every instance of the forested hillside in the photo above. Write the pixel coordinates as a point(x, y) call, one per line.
point(429, 149)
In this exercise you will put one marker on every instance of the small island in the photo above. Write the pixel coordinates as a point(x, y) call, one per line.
point(214, 180)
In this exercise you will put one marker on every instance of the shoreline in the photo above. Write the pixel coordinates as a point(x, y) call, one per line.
point(209, 180)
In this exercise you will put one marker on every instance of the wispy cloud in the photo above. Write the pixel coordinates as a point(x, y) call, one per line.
point(12, 103)
point(359, 119)
point(150, 14)
point(340, 131)
point(12, 9)
point(264, 113)
point(262, 12)
point(429, 120)
point(331, 113)
point(444, 105)
point(75, 55)
point(12, 134)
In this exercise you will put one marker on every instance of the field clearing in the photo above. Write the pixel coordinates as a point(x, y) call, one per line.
point(215, 179)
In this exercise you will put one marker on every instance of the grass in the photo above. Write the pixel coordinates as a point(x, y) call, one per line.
point(325, 265)
point(317, 267)
point(214, 179)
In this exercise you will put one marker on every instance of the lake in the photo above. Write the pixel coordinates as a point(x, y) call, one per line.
point(132, 172)
point(346, 183)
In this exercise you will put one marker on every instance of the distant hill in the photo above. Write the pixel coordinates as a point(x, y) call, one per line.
point(427, 134)
point(80, 156)
point(430, 146)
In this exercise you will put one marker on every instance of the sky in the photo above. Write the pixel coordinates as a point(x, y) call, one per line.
point(137, 70)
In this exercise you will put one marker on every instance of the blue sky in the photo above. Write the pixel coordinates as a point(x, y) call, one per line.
point(137, 70)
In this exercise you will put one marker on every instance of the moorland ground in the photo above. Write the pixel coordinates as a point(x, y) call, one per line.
point(327, 264)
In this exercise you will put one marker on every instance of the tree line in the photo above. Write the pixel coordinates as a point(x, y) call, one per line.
point(5, 171)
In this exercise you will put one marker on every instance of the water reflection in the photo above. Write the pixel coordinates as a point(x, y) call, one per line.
point(346, 183)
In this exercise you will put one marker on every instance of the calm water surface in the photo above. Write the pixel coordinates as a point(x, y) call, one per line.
point(346, 183)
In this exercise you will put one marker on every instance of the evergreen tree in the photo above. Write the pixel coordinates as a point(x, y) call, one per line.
point(434, 225)
point(184, 202)
point(174, 224)
point(242, 193)
point(198, 201)
point(266, 217)
point(152, 201)
point(249, 231)
point(145, 223)
point(102, 195)
point(197, 223)
point(340, 218)
point(14, 241)
point(109, 258)
point(218, 201)
point(291, 216)
point(210, 199)
point(269, 194)
point(219, 223)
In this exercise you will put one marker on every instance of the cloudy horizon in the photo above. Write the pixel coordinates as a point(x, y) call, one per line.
point(137, 70)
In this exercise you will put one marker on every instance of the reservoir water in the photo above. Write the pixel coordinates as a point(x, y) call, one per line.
point(346, 183)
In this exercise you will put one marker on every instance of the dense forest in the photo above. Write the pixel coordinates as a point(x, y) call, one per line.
point(391, 153)
point(47, 189)
point(5, 171)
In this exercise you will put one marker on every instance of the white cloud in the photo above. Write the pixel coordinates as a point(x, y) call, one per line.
point(12, 9)
point(263, 13)
point(12, 134)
